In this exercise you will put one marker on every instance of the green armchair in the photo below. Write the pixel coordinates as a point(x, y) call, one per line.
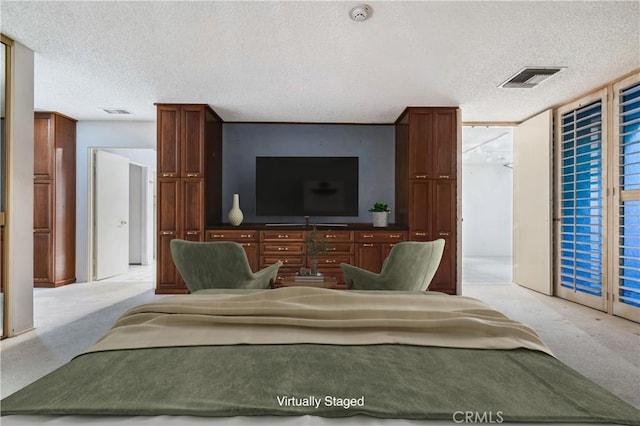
point(409, 266)
point(205, 265)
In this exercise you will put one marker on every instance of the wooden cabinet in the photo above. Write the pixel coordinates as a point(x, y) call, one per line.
point(54, 191)
point(373, 247)
point(432, 143)
point(188, 137)
point(247, 239)
point(427, 185)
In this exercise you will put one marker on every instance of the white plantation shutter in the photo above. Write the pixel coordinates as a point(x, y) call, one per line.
point(627, 271)
point(581, 201)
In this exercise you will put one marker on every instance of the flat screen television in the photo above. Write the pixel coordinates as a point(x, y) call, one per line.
point(307, 186)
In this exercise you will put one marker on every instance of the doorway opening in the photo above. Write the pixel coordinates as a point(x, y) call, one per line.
point(487, 205)
point(122, 210)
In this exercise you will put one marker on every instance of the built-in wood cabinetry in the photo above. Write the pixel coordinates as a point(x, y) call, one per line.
point(54, 190)
point(189, 137)
point(265, 247)
point(427, 184)
point(427, 203)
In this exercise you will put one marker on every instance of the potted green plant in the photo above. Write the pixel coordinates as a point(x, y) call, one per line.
point(316, 245)
point(380, 212)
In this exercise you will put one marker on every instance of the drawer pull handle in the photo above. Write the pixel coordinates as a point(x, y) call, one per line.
point(246, 244)
point(245, 235)
point(192, 232)
point(218, 235)
point(329, 261)
point(367, 236)
point(444, 234)
point(444, 176)
point(330, 236)
point(283, 248)
point(166, 233)
point(192, 175)
point(421, 234)
point(168, 175)
point(285, 261)
point(394, 236)
point(283, 236)
point(331, 249)
point(421, 176)
point(367, 245)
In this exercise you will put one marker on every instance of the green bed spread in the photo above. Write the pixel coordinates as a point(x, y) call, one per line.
point(386, 381)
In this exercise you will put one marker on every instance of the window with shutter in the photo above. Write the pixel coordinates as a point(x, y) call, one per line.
point(628, 200)
point(581, 204)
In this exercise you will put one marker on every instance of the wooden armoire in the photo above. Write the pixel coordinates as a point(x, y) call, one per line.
point(428, 186)
point(54, 191)
point(189, 160)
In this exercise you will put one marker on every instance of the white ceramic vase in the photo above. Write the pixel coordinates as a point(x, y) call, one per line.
point(235, 214)
point(380, 219)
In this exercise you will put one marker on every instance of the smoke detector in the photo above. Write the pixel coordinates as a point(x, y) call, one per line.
point(360, 13)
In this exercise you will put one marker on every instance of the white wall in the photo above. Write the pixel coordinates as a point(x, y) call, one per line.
point(487, 210)
point(19, 293)
point(93, 134)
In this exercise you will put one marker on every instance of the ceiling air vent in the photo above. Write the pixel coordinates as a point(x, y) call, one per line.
point(115, 111)
point(530, 77)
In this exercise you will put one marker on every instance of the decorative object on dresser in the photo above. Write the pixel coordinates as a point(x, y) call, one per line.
point(54, 190)
point(380, 212)
point(235, 214)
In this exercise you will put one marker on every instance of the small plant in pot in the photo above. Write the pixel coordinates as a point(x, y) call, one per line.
point(380, 212)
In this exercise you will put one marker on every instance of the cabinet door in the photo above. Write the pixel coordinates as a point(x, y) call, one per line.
point(193, 209)
point(169, 205)
point(443, 219)
point(369, 257)
point(443, 149)
point(168, 278)
point(419, 214)
point(42, 259)
point(168, 141)
point(44, 147)
point(420, 131)
point(192, 139)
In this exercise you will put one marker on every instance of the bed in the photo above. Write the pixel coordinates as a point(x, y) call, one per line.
point(316, 356)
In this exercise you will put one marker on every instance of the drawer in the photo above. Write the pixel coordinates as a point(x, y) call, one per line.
point(281, 235)
point(282, 248)
point(336, 236)
point(295, 262)
point(334, 260)
point(338, 249)
point(380, 236)
point(232, 235)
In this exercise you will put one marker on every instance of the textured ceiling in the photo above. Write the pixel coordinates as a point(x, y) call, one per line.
point(308, 62)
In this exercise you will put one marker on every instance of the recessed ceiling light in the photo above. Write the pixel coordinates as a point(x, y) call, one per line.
point(115, 111)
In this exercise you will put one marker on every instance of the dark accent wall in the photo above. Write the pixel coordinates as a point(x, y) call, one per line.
point(374, 145)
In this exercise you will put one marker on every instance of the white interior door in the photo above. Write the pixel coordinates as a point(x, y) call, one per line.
point(532, 204)
point(111, 215)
